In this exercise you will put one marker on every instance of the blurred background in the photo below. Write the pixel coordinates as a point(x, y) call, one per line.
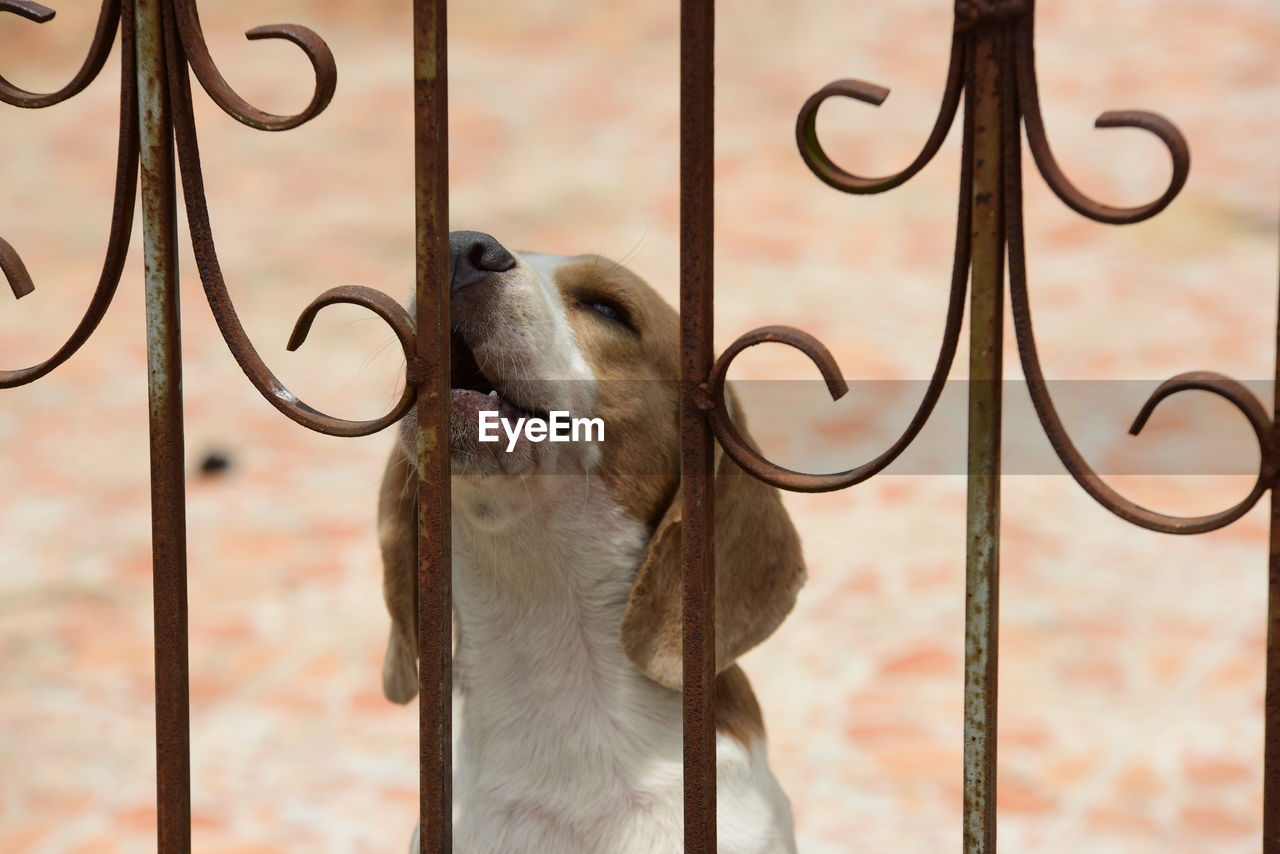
point(1131, 662)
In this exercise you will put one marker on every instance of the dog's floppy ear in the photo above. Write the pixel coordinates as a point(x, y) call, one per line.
point(398, 538)
point(759, 570)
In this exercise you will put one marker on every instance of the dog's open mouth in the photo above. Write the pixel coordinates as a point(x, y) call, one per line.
point(469, 383)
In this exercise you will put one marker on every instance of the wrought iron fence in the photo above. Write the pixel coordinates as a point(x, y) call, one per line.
point(992, 72)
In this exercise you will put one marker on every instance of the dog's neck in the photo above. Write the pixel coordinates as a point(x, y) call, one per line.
point(563, 744)
point(542, 573)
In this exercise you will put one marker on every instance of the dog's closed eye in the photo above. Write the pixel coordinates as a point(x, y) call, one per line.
point(608, 309)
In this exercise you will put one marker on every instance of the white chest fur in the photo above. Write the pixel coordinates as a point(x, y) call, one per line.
point(563, 746)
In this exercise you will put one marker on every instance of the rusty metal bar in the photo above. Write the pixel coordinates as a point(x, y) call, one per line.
point(1271, 735)
point(435, 665)
point(987, 93)
point(164, 374)
point(697, 213)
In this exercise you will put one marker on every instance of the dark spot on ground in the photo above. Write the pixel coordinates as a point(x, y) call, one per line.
point(214, 463)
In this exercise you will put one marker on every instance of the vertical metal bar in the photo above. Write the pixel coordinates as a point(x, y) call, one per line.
point(164, 383)
point(1271, 737)
point(982, 575)
point(435, 666)
point(697, 210)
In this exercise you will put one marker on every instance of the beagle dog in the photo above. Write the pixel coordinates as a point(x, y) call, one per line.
point(567, 573)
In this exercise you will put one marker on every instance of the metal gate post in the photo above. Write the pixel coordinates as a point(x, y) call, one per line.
point(430, 367)
point(989, 91)
point(1271, 733)
point(164, 375)
point(697, 214)
point(161, 45)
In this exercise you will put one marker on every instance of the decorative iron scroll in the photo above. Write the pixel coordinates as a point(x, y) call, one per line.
point(992, 68)
point(185, 49)
point(162, 44)
point(1015, 20)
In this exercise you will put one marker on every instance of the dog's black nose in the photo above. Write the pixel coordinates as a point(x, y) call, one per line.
point(474, 255)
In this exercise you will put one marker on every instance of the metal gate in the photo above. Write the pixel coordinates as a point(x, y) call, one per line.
point(992, 71)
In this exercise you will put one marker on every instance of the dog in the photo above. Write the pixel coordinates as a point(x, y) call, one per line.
point(567, 573)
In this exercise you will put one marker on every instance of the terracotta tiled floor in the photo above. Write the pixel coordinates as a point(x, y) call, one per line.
point(1131, 691)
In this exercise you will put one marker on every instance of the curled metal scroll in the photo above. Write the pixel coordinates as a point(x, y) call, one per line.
point(206, 70)
point(737, 447)
point(752, 460)
point(1225, 387)
point(104, 35)
point(185, 45)
point(1017, 57)
point(1162, 128)
point(826, 169)
point(224, 313)
point(125, 195)
point(1229, 389)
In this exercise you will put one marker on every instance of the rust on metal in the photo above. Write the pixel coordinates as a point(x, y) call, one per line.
point(164, 371)
point(993, 66)
point(431, 199)
point(223, 310)
point(376, 301)
point(125, 195)
point(15, 271)
point(160, 39)
point(971, 13)
point(28, 9)
point(746, 456)
point(820, 164)
point(994, 39)
point(1037, 141)
point(1271, 737)
point(206, 71)
point(815, 158)
point(697, 242)
point(104, 34)
point(1230, 390)
point(988, 98)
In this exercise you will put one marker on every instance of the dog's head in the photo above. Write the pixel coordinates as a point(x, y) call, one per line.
point(534, 334)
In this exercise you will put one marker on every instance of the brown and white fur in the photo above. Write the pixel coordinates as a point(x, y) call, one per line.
point(566, 586)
